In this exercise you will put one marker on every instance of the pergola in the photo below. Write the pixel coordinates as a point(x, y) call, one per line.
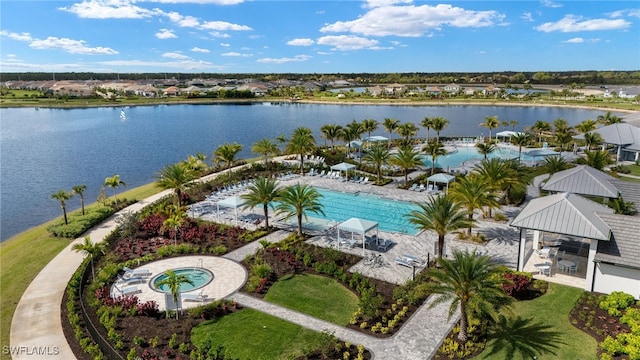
point(441, 178)
point(343, 166)
point(507, 134)
point(358, 226)
point(233, 202)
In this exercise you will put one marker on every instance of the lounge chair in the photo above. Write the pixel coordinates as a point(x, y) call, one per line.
point(420, 188)
point(413, 187)
point(323, 173)
point(131, 280)
point(127, 290)
point(384, 244)
point(131, 273)
point(199, 297)
point(365, 181)
point(404, 262)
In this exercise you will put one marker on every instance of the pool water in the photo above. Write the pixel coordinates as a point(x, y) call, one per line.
point(466, 153)
point(389, 214)
point(199, 276)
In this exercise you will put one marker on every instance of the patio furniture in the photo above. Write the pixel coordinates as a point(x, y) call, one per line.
point(544, 268)
point(566, 265)
point(383, 245)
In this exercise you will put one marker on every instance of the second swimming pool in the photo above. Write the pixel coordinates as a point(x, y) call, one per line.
point(465, 153)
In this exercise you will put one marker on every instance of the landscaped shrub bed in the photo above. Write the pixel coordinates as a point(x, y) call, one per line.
point(78, 223)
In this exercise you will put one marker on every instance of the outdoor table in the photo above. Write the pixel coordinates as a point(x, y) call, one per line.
point(545, 252)
point(566, 264)
point(546, 267)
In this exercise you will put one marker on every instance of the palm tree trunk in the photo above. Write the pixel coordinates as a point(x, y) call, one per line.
point(300, 225)
point(265, 208)
point(440, 246)
point(462, 335)
point(470, 222)
point(64, 214)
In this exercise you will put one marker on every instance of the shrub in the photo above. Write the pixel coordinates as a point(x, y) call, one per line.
point(615, 302)
point(516, 283)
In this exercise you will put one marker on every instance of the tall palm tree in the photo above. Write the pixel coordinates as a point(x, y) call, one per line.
point(263, 191)
point(521, 139)
point(539, 127)
point(391, 124)
point(173, 281)
point(586, 126)
point(439, 123)
point(496, 172)
point(177, 177)
point(486, 148)
point(554, 164)
point(472, 283)
point(90, 248)
point(608, 119)
point(196, 164)
point(349, 133)
point(427, 123)
point(561, 125)
point(564, 138)
point(282, 141)
point(114, 182)
point(378, 155)
point(301, 143)
point(441, 214)
point(597, 159)
point(174, 222)
point(226, 154)
point(491, 122)
point(406, 158)
point(80, 189)
point(434, 149)
point(407, 130)
point(592, 139)
point(62, 196)
point(473, 193)
point(265, 147)
point(331, 132)
point(299, 200)
point(369, 125)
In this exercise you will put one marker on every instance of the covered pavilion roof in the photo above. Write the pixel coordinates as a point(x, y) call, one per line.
point(584, 180)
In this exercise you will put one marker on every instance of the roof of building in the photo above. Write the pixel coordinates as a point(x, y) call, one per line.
point(620, 134)
point(565, 213)
point(630, 191)
point(584, 180)
point(624, 247)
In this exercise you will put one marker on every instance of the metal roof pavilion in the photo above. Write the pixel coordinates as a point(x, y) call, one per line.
point(582, 179)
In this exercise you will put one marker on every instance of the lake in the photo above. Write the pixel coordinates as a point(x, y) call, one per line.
point(46, 150)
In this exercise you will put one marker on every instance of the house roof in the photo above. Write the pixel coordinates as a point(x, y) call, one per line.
point(630, 191)
point(620, 134)
point(624, 247)
point(441, 178)
point(584, 180)
point(357, 225)
point(565, 213)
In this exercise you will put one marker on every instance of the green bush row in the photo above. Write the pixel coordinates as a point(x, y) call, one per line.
point(78, 224)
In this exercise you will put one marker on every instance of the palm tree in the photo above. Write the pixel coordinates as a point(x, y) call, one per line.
point(474, 194)
point(592, 139)
point(114, 182)
point(173, 281)
point(282, 140)
point(391, 124)
point(497, 173)
point(350, 133)
point(486, 148)
point(406, 158)
point(177, 177)
point(513, 124)
point(441, 214)
point(608, 119)
point(300, 143)
point(561, 125)
point(62, 196)
point(174, 221)
point(427, 123)
point(80, 189)
point(622, 207)
point(331, 132)
point(490, 122)
point(597, 159)
point(586, 126)
point(521, 139)
point(299, 200)
point(369, 125)
point(407, 130)
point(439, 123)
point(263, 192)
point(226, 154)
point(265, 147)
point(563, 138)
point(90, 248)
point(472, 283)
point(540, 127)
point(196, 164)
point(435, 149)
point(554, 164)
point(378, 155)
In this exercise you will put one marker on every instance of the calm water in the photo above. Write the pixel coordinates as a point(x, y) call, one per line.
point(45, 150)
point(465, 153)
point(199, 277)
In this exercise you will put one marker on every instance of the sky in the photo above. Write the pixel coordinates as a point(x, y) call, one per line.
point(300, 36)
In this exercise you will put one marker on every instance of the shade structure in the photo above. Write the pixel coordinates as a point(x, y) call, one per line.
point(507, 133)
point(376, 138)
point(584, 180)
point(441, 178)
point(343, 166)
point(233, 202)
point(358, 226)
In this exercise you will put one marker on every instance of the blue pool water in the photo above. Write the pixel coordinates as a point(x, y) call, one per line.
point(389, 214)
point(199, 276)
point(466, 153)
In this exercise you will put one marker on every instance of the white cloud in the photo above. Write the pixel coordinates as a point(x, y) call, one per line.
point(347, 42)
point(200, 50)
point(16, 36)
point(236, 54)
point(188, 64)
point(214, 2)
point(577, 40)
point(71, 46)
point(297, 58)
point(573, 23)
point(108, 9)
point(225, 44)
point(217, 34)
point(300, 42)
point(223, 26)
point(181, 20)
point(175, 55)
point(165, 34)
point(414, 21)
point(527, 16)
point(551, 4)
point(628, 12)
point(380, 3)
point(634, 13)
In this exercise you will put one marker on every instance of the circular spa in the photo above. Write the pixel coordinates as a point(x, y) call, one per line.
point(200, 277)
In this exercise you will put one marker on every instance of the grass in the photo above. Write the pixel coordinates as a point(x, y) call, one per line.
point(316, 296)
point(250, 334)
point(548, 324)
point(635, 169)
point(24, 255)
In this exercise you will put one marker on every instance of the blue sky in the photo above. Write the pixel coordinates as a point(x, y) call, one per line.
point(379, 36)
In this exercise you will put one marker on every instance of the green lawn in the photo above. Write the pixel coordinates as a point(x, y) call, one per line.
point(635, 169)
point(252, 335)
point(318, 296)
point(544, 324)
point(23, 256)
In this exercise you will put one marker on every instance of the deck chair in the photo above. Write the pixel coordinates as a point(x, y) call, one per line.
point(199, 297)
point(384, 244)
point(127, 290)
point(131, 273)
point(131, 280)
point(413, 187)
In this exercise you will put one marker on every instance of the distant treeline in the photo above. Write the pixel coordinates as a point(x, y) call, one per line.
point(579, 78)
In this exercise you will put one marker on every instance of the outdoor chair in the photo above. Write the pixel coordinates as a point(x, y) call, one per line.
point(199, 297)
point(383, 245)
point(131, 273)
point(404, 262)
point(131, 280)
point(127, 290)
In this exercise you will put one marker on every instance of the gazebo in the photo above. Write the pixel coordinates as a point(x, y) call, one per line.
point(507, 134)
point(584, 180)
point(441, 178)
point(233, 202)
point(343, 166)
point(358, 226)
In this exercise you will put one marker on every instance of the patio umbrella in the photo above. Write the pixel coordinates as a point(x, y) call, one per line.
point(231, 202)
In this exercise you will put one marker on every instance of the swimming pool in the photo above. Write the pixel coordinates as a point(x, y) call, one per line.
point(199, 276)
point(389, 214)
point(466, 153)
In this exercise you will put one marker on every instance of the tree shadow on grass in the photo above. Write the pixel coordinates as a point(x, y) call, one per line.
point(525, 337)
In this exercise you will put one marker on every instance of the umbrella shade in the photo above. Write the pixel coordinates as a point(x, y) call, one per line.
point(233, 202)
point(358, 226)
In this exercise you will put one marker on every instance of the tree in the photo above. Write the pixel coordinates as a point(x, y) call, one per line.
point(265, 147)
point(62, 196)
point(486, 148)
point(282, 141)
point(177, 177)
point(174, 221)
point(300, 143)
point(554, 164)
point(226, 154)
point(490, 122)
point(473, 283)
point(263, 192)
point(299, 200)
point(608, 119)
point(331, 132)
point(597, 159)
point(174, 281)
point(90, 248)
point(521, 139)
point(622, 207)
point(592, 139)
point(474, 194)
point(369, 125)
point(586, 126)
point(378, 155)
point(539, 127)
point(350, 133)
point(496, 172)
point(434, 149)
point(406, 158)
point(391, 124)
point(80, 189)
point(407, 131)
point(427, 123)
point(196, 164)
point(441, 214)
point(114, 182)
point(439, 123)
